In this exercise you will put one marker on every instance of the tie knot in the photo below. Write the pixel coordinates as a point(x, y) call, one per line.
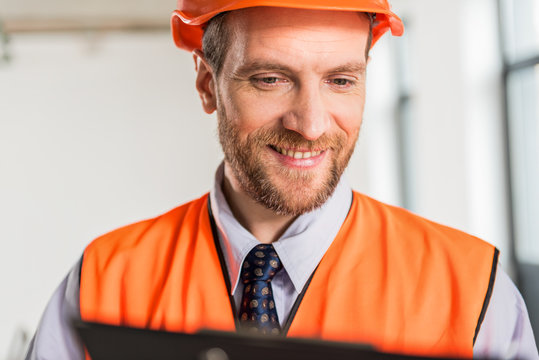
point(261, 264)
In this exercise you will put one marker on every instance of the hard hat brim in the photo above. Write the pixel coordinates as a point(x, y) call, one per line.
point(188, 27)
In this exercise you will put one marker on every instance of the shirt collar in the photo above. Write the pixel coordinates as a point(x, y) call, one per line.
point(300, 248)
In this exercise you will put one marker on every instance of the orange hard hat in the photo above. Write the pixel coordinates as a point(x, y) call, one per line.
point(188, 21)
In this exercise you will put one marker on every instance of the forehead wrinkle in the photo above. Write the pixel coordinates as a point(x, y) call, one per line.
point(265, 65)
point(289, 59)
point(243, 22)
point(299, 45)
point(299, 38)
point(297, 32)
point(288, 44)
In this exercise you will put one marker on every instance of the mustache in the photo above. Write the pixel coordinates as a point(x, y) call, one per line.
point(284, 138)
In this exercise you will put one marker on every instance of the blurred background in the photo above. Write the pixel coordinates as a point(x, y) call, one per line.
point(100, 126)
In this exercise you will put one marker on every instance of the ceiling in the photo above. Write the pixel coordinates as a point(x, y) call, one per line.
point(38, 15)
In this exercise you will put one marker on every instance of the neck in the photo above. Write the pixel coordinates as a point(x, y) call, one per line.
point(265, 225)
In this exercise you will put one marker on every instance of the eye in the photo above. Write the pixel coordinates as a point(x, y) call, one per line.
point(341, 82)
point(268, 82)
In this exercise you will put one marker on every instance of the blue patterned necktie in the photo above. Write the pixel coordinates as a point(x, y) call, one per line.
point(257, 311)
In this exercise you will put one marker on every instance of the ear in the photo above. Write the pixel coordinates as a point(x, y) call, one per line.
point(205, 82)
point(195, 59)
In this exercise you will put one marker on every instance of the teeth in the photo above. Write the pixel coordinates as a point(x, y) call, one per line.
point(298, 154)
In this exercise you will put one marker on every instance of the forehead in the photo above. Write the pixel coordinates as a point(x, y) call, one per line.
point(297, 36)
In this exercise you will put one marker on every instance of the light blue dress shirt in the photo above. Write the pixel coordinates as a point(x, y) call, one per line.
point(505, 333)
point(300, 248)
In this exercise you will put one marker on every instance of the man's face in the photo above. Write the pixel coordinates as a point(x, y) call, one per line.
point(290, 100)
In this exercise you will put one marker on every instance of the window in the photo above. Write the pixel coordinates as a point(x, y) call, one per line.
point(520, 34)
point(519, 20)
point(523, 111)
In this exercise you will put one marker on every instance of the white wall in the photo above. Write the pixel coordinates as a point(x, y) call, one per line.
point(95, 132)
point(99, 130)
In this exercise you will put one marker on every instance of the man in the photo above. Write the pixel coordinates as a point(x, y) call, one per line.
point(281, 245)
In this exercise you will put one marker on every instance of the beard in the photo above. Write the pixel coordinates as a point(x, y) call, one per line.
point(284, 190)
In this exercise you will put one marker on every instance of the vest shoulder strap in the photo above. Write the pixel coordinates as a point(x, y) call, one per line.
point(400, 282)
point(162, 273)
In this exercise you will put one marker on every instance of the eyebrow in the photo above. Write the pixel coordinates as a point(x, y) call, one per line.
point(247, 68)
point(352, 67)
point(253, 66)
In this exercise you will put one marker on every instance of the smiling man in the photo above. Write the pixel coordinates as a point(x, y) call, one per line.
point(289, 109)
point(282, 245)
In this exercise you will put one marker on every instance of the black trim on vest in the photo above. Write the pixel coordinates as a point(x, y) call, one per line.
point(295, 307)
point(224, 270)
point(489, 293)
point(80, 271)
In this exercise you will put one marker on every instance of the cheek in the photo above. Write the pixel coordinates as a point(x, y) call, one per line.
point(250, 112)
point(348, 115)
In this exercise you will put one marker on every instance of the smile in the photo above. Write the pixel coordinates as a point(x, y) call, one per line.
point(297, 154)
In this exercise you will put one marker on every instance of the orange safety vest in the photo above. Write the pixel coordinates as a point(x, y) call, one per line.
point(390, 279)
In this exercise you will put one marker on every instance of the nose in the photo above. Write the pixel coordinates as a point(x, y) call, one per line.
point(308, 115)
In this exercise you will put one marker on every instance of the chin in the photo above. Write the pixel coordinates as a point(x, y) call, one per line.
point(297, 199)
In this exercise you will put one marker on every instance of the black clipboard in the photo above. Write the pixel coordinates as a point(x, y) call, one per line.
point(107, 342)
